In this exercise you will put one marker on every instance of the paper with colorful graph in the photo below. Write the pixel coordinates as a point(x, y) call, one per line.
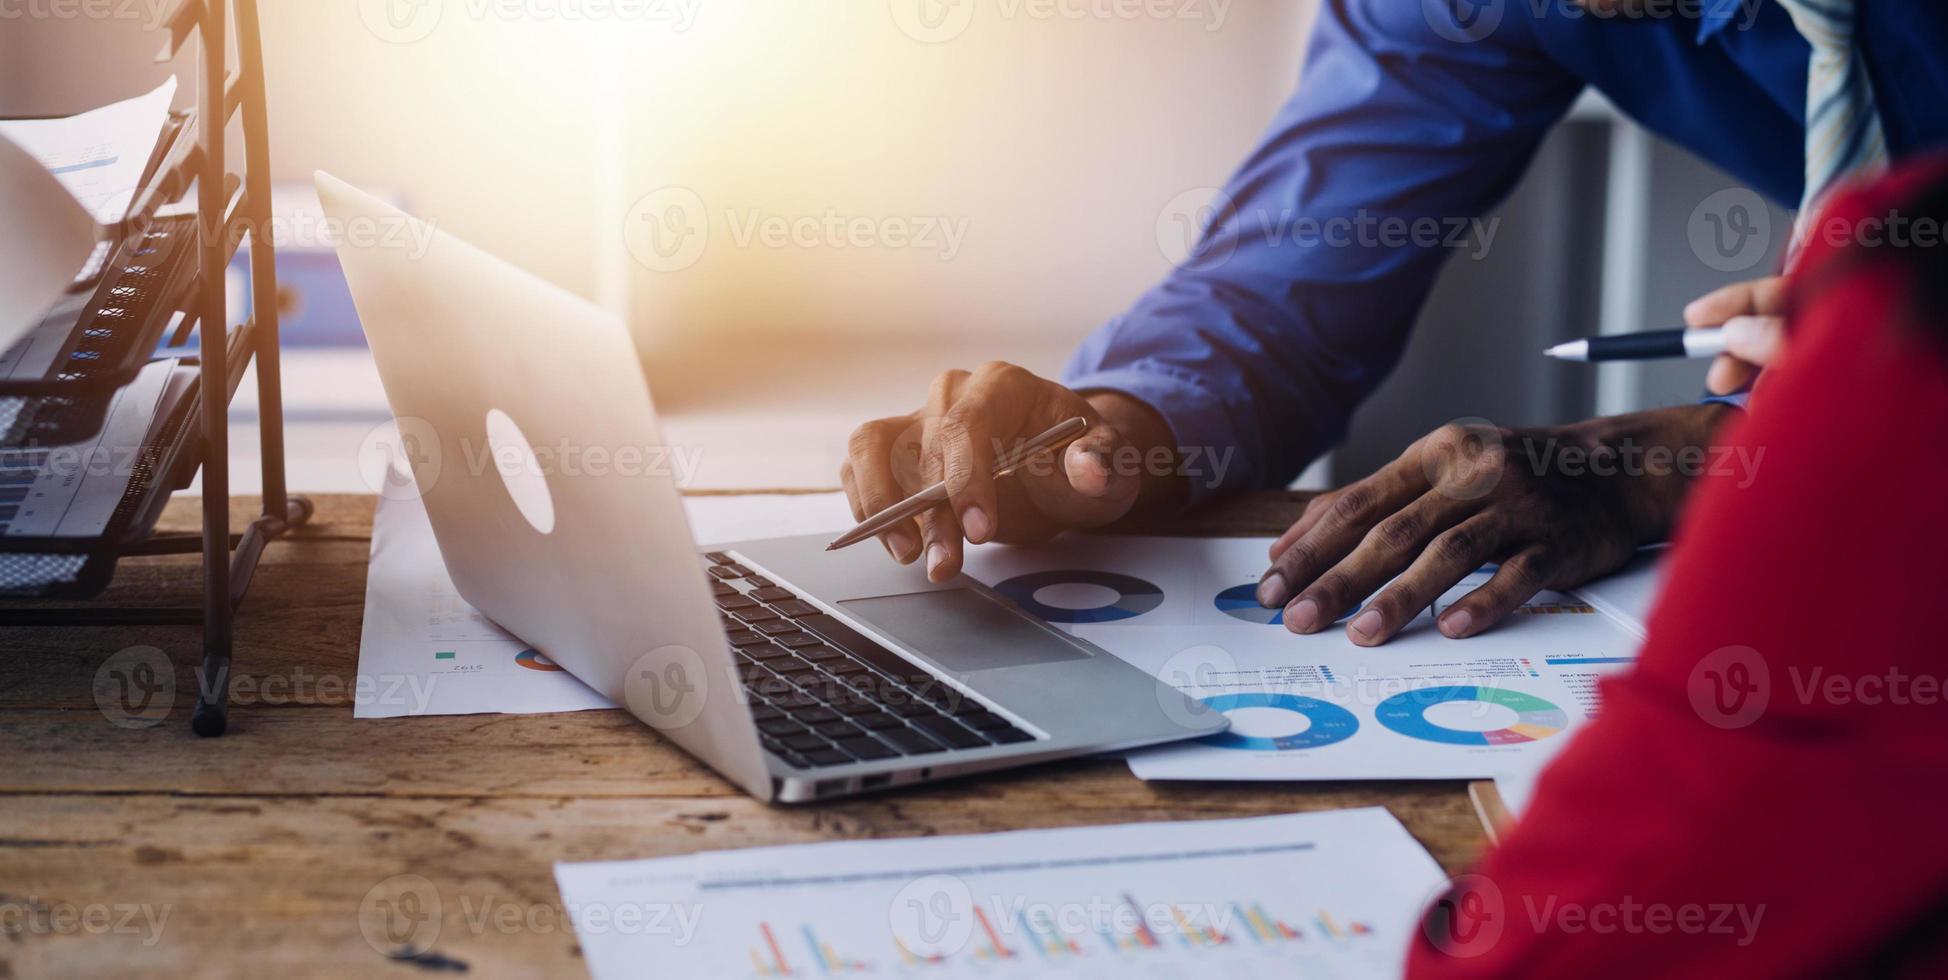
point(1334, 894)
point(1317, 707)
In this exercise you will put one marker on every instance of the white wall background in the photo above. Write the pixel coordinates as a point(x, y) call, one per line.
point(484, 125)
point(1054, 140)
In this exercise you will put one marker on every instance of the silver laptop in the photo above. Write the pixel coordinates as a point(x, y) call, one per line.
point(796, 674)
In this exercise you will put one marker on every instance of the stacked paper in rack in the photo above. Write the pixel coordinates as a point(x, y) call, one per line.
point(63, 183)
point(46, 239)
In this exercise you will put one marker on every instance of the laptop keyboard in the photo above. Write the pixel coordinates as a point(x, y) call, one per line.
point(823, 694)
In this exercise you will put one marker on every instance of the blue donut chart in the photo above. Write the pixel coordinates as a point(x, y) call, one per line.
point(1134, 596)
point(1330, 722)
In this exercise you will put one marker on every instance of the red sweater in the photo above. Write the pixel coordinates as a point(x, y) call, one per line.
point(1766, 793)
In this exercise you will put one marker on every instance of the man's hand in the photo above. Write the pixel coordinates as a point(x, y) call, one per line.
point(969, 420)
point(1555, 507)
point(1754, 317)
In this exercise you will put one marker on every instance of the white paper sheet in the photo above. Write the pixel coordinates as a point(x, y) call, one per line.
point(425, 651)
point(1627, 596)
point(1320, 894)
point(1316, 707)
point(99, 155)
point(1516, 788)
point(46, 239)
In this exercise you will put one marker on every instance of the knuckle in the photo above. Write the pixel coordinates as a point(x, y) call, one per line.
point(1397, 533)
point(952, 429)
point(933, 465)
point(1458, 546)
point(944, 385)
point(1352, 503)
point(1301, 555)
point(1527, 569)
point(870, 439)
point(1460, 441)
point(1479, 446)
point(958, 470)
point(860, 443)
point(1001, 371)
point(1334, 586)
point(1450, 436)
point(960, 426)
point(873, 499)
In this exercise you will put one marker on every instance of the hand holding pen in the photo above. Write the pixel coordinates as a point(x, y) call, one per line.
point(1741, 326)
point(951, 445)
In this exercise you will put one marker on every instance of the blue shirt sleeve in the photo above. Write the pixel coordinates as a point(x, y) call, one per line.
point(1406, 128)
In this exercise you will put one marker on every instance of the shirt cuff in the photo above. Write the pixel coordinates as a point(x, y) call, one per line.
point(1209, 457)
point(1736, 399)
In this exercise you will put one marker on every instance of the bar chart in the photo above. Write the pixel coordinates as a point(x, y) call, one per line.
point(1332, 894)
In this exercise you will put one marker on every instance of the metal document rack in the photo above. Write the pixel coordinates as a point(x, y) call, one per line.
point(166, 275)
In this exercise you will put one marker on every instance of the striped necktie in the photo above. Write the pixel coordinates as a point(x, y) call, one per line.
point(1843, 132)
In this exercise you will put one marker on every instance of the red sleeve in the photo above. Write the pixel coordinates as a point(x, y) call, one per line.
point(1764, 794)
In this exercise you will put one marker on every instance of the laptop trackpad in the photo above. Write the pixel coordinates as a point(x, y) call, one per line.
point(963, 630)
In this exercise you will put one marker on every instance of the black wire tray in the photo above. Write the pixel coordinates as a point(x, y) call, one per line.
point(77, 567)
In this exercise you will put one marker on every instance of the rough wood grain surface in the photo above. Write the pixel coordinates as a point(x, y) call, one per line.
point(146, 851)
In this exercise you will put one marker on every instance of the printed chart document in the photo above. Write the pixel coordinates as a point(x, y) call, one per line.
point(99, 155)
point(425, 651)
point(1317, 707)
point(1334, 894)
point(1627, 595)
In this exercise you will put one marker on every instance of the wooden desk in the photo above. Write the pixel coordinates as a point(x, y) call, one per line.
point(260, 847)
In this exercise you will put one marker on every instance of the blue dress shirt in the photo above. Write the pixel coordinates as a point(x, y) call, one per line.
point(1407, 123)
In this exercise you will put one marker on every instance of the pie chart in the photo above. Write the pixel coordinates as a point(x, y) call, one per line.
point(1535, 718)
point(1266, 722)
point(1081, 596)
point(533, 660)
